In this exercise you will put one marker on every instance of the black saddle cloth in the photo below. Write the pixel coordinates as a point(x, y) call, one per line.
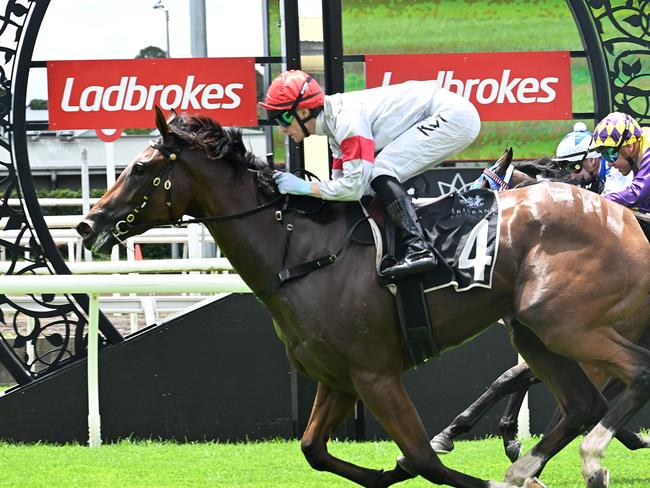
point(466, 253)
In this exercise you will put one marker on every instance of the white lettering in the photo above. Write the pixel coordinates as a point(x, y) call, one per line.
point(131, 90)
point(212, 92)
point(440, 79)
point(151, 97)
point(527, 86)
point(119, 91)
point(450, 82)
point(65, 102)
point(550, 92)
point(230, 92)
point(94, 92)
point(468, 87)
point(189, 97)
point(130, 96)
point(505, 88)
point(386, 80)
point(493, 85)
point(167, 104)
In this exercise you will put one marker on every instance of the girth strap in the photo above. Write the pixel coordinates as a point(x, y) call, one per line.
point(305, 268)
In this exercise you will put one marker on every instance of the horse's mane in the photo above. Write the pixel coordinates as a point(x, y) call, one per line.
point(208, 136)
point(544, 167)
point(217, 143)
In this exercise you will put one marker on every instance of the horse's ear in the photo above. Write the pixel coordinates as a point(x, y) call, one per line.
point(504, 161)
point(172, 115)
point(161, 123)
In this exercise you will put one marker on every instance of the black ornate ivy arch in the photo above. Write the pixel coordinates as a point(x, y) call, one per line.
point(622, 31)
point(38, 333)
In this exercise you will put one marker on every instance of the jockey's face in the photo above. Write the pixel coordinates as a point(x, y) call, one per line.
point(589, 170)
point(591, 165)
point(622, 163)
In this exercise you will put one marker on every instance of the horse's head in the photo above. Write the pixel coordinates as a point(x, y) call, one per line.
point(143, 196)
point(194, 168)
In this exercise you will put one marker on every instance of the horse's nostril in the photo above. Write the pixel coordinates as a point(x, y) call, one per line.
point(84, 229)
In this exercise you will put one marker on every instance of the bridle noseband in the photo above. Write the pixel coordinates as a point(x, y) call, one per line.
point(171, 154)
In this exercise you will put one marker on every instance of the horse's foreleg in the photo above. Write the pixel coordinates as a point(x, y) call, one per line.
point(385, 397)
point(509, 423)
point(329, 409)
point(578, 398)
point(516, 379)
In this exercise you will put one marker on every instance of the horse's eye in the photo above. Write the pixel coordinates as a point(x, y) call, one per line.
point(139, 168)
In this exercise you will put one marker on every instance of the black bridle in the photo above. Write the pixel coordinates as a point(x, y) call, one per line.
point(165, 177)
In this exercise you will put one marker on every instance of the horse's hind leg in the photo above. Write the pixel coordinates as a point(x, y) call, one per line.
point(631, 364)
point(329, 409)
point(578, 398)
point(516, 379)
point(631, 440)
point(385, 397)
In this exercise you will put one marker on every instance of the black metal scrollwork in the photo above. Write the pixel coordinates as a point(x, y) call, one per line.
point(624, 30)
point(38, 333)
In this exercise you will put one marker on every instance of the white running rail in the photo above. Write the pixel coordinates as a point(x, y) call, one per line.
point(93, 286)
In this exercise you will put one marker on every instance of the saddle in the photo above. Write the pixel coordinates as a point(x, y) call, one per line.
point(462, 229)
point(463, 232)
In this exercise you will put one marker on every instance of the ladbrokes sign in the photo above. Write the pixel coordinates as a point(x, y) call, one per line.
point(502, 86)
point(120, 94)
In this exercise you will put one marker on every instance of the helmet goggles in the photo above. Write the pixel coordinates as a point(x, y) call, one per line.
point(610, 154)
point(284, 119)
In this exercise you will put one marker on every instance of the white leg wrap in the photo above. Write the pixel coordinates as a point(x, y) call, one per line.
point(592, 448)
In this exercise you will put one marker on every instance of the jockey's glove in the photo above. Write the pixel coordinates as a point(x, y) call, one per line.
point(289, 183)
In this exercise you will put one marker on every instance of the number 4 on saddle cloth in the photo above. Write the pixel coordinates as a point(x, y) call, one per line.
point(463, 230)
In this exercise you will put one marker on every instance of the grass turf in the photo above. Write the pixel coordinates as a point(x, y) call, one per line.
point(269, 464)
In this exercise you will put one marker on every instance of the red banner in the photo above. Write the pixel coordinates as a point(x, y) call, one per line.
point(502, 86)
point(118, 94)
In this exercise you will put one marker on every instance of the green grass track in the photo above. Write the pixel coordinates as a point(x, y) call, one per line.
point(269, 464)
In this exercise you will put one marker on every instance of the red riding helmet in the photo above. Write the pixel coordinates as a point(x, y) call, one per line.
point(293, 89)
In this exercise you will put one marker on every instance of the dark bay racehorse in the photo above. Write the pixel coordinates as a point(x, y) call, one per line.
point(339, 324)
point(517, 380)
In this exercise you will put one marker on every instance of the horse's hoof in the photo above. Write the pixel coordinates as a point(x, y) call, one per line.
point(645, 440)
point(442, 444)
point(513, 450)
point(599, 479)
point(403, 464)
point(534, 483)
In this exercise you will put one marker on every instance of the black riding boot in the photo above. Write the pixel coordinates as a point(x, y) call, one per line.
point(419, 257)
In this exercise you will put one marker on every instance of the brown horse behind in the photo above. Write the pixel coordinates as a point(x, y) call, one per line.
point(516, 381)
point(339, 324)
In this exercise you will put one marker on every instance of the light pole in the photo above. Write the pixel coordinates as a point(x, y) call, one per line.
point(160, 6)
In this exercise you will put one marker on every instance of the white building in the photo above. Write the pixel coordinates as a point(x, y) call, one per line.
point(55, 157)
